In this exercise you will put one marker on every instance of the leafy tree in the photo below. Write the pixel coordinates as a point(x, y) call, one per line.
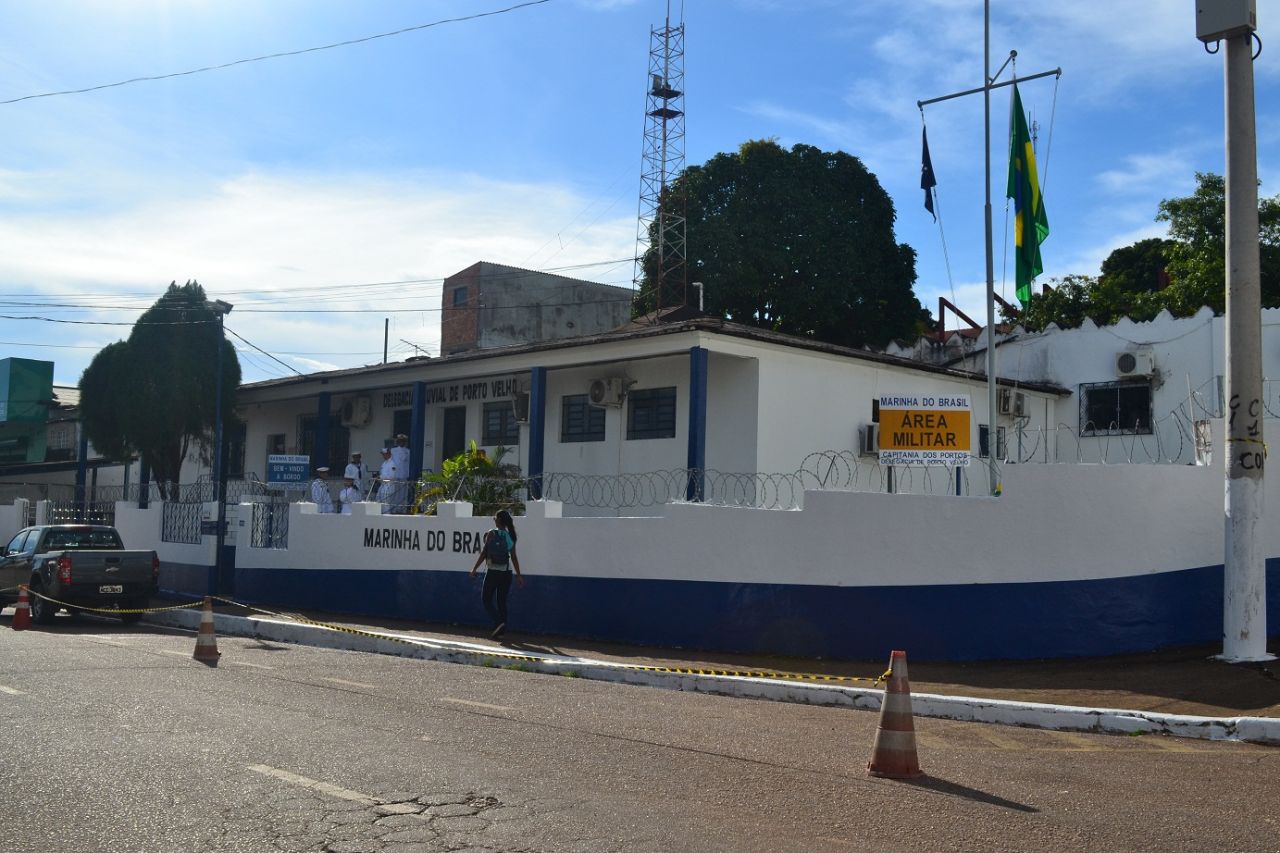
point(1193, 263)
point(1197, 261)
point(797, 241)
point(154, 394)
point(1139, 268)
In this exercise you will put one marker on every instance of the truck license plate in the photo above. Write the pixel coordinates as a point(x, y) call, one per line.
point(109, 588)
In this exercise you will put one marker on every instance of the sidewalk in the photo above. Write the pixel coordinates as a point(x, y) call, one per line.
point(1183, 681)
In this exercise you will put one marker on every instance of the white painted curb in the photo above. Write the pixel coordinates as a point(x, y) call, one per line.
point(1265, 730)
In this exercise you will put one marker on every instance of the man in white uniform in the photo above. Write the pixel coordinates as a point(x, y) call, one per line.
point(320, 491)
point(400, 456)
point(386, 479)
point(349, 495)
point(355, 470)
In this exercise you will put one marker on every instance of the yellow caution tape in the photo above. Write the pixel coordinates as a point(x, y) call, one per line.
point(112, 610)
point(733, 673)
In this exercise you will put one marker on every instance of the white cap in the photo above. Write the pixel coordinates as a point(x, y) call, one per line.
point(386, 450)
point(322, 470)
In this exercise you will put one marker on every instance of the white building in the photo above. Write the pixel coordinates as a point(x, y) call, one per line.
point(699, 394)
point(1141, 391)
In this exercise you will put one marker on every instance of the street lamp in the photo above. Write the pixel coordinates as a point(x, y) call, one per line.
point(220, 309)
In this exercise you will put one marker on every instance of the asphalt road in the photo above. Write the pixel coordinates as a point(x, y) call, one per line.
point(118, 741)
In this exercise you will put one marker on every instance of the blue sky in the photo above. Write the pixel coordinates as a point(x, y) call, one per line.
point(306, 190)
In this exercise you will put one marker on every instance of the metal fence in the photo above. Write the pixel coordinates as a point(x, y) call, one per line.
point(75, 512)
point(180, 522)
point(270, 527)
point(833, 470)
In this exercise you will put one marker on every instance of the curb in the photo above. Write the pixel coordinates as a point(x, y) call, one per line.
point(1262, 730)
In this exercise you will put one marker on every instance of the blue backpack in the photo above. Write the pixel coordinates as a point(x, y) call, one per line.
point(498, 549)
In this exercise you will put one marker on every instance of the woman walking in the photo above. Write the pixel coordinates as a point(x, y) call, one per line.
point(499, 556)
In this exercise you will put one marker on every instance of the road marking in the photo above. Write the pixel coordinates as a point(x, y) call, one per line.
point(172, 652)
point(11, 691)
point(110, 643)
point(314, 784)
point(484, 705)
point(352, 683)
point(246, 663)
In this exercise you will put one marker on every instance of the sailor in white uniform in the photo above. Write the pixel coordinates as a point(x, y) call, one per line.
point(320, 491)
point(400, 456)
point(355, 470)
point(349, 495)
point(386, 479)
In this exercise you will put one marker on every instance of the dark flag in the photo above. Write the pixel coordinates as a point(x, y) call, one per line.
point(927, 179)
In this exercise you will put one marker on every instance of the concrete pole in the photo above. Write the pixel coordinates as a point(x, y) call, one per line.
point(1244, 598)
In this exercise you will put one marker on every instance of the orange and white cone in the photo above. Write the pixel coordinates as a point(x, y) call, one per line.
point(894, 753)
point(206, 641)
point(22, 611)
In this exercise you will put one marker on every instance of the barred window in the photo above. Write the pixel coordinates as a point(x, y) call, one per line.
point(651, 413)
point(579, 420)
point(500, 424)
point(1115, 408)
point(984, 442)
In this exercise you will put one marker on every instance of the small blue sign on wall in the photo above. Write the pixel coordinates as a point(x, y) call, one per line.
point(287, 469)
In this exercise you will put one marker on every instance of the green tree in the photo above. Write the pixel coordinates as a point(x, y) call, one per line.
point(797, 241)
point(154, 394)
point(1197, 261)
point(1193, 263)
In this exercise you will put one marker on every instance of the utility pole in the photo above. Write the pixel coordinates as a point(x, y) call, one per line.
point(988, 83)
point(221, 309)
point(1244, 592)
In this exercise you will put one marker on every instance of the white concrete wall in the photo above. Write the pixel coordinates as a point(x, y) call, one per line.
point(1050, 525)
point(13, 517)
point(140, 529)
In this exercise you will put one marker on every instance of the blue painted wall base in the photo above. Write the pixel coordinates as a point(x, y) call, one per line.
point(942, 622)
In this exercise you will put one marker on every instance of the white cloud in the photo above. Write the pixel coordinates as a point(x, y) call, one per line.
point(265, 241)
point(1144, 171)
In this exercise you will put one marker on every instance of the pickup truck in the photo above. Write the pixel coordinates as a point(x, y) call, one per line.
point(81, 565)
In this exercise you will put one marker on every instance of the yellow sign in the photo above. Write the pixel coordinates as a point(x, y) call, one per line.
point(924, 429)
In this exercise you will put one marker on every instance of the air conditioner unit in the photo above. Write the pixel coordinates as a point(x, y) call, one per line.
point(356, 412)
point(869, 440)
point(1010, 402)
point(606, 392)
point(521, 405)
point(1138, 362)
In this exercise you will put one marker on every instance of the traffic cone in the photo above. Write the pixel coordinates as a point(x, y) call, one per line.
point(206, 641)
point(22, 611)
point(894, 753)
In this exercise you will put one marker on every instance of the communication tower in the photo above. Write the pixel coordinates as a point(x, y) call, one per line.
point(660, 233)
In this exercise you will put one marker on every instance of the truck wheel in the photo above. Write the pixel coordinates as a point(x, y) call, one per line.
point(42, 612)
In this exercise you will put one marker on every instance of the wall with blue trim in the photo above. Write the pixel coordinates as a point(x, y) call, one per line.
point(1072, 560)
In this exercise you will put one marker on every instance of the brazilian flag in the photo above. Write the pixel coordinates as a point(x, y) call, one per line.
point(1030, 224)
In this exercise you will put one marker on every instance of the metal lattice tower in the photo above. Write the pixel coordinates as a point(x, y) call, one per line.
point(660, 233)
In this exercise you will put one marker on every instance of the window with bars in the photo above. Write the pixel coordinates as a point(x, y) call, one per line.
point(984, 442)
point(579, 420)
point(500, 424)
point(651, 413)
point(1115, 408)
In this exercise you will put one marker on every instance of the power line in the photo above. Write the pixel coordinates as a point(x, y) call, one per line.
point(264, 352)
point(280, 55)
point(307, 292)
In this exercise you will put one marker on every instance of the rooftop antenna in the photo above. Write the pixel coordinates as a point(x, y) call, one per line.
point(660, 231)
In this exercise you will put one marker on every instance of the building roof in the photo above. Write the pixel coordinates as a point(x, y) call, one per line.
point(66, 396)
point(639, 331)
